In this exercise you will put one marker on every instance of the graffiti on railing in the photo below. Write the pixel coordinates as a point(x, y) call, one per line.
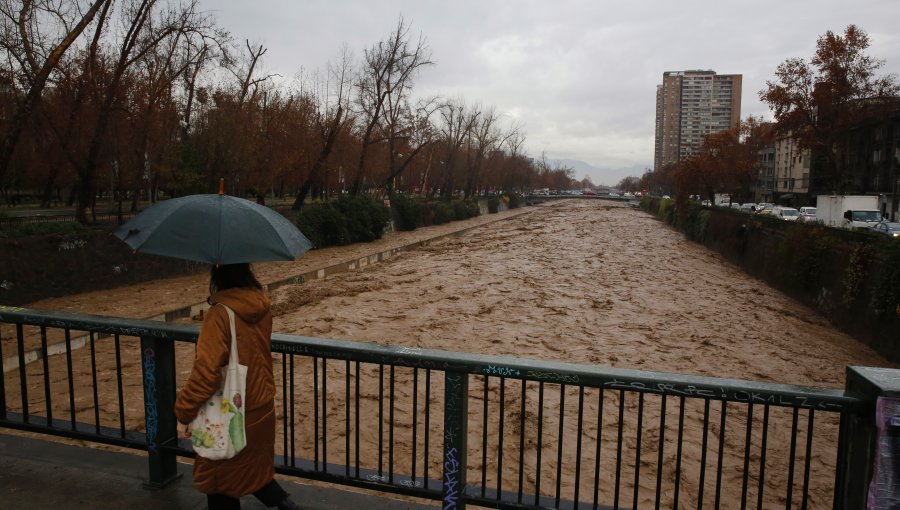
point(412, 351)
point(501, 371)
point(293, 349)
point(150, 398)
point(6, 285)
point(119, 269)
point(451, 479)
point(387, 479)
point(72, 244)
point(552, 377)
point(4, 308)
point(742, 396)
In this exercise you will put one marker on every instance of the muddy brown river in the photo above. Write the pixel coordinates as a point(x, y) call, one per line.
point(598, 283)
point(582, 281)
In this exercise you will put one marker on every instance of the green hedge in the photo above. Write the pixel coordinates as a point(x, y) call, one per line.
point(345, 221)
point(440, 212)
point(362, 219)
point(365, 217)
point(407, 212)
point(493, 205)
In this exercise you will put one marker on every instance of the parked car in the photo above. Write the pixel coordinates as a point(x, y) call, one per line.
point(762, 207)
point(735, 205)
point(748, 208)
point(887, 228)
point(787, 213)
point(706, 203)
point(807, 214)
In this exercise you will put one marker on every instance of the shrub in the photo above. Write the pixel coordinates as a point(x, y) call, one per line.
point(443, 212)
point(460, 211)
point(493, 205)
point(427, 213)
point(407, 212)
point(695, 221)
point(324, 225)
point(365, 217)
point(886, 295)
point(803, 255)
point(472, 208)
point(515, 200)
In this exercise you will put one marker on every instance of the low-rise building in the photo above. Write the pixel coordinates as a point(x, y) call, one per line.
point(792, 167)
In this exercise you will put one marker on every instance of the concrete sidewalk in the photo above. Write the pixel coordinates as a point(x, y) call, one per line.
point(46, 474)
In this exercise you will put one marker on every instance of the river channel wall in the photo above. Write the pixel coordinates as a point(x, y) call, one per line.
point(39, 267)
point(850, 278)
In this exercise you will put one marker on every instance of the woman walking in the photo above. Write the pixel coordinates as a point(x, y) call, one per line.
point(252, 470)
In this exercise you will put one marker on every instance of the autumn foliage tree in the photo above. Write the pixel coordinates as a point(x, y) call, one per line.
point(818, 101)
point(126, 101)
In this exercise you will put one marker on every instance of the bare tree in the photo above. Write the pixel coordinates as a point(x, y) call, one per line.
point(457, 122)
point(330, 121)
point(485, 140)
point(35, 36)
point(143, 28)
point(152, 111)
point(410, 132)
point(385, 83)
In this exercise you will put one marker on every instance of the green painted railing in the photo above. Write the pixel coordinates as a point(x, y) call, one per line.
point(461, 428)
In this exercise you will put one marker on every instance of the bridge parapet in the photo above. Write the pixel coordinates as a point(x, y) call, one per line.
point(463, 428)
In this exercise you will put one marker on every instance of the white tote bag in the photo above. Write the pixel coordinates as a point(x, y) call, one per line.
point(218, 430)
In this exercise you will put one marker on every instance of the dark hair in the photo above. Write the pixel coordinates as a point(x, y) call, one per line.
point(229, 276)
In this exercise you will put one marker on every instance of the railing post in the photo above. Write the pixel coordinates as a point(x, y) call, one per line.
point(456, 389)
point(867, 452)
point(158, 362)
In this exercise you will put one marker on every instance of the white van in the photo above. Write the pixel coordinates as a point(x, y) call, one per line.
point(787, 213)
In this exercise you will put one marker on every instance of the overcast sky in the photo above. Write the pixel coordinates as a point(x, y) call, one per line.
point(578, 76)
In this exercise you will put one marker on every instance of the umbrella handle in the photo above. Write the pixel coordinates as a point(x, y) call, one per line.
point(221, 185)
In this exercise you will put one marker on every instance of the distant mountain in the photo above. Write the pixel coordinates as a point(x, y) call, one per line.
point(608, 176)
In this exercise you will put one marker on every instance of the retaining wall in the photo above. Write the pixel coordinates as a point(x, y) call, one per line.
point(850, 278)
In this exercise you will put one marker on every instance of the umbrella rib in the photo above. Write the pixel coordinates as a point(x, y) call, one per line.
point(219, 249)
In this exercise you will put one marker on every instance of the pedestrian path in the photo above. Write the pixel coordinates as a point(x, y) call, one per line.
point(47, 474)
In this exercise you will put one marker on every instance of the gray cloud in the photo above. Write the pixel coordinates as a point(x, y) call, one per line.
point(579, 76)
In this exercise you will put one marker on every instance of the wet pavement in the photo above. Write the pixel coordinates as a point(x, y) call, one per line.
point(47, 474)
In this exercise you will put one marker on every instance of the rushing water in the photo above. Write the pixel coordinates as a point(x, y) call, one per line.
point(589, 282)
point(580, 281)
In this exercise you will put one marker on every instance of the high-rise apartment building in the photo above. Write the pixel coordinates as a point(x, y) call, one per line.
point(689, 106)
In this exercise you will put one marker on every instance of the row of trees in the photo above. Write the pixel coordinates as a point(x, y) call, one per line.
point(124, 99)
point(816, 103)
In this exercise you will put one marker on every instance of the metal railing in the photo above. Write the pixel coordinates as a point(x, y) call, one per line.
point(494, 431)
point(100, 218)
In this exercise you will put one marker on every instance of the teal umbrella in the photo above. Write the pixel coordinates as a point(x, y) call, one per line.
point(217, 229)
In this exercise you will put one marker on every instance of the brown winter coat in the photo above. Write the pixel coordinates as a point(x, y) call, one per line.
point(253, 467)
